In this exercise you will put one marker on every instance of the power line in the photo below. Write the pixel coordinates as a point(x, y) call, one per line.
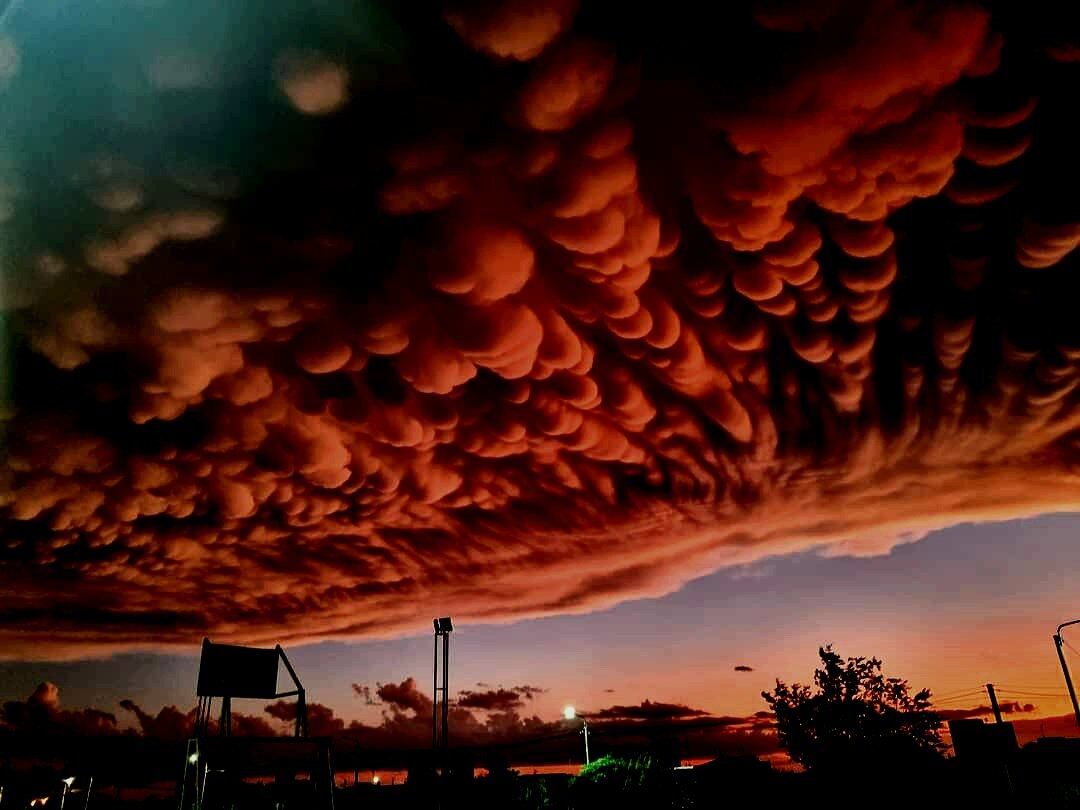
point(959, 693)
point(957, 698)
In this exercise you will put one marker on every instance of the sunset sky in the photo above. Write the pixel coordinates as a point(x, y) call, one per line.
point(937, 614)
point(645, 344)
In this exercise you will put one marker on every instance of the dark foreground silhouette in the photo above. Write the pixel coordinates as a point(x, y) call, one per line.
point(855, 736)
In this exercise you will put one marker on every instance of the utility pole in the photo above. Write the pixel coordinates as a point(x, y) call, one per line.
point(993, 702)
point(1058, 644)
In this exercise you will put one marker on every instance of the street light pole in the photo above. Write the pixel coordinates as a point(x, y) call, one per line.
point(1058, 644)
point(570, 713)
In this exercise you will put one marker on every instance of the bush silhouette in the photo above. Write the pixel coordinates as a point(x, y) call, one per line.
point(635, 782)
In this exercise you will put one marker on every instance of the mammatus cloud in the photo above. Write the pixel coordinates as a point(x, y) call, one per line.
point(323, 342)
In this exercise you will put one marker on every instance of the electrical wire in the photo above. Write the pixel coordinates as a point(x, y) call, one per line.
point(954, 696)
point(1044, 692)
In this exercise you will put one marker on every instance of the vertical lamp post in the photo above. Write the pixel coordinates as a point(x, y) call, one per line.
point(67, 786)
point(570, 713)
point(1058, 643)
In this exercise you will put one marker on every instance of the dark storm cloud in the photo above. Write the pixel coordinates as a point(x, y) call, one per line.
point(404, 696)
point(1008, 707)
point(406, 725)
point(487, 721)
point(41, 713)
point(648, 710)
point(528, 692)
point(306, 331)
point(171, 723)
point(363, 692)
point(499, 699)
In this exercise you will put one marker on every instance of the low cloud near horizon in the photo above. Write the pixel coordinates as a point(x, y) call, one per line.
point(313, 340)
point(405, 723)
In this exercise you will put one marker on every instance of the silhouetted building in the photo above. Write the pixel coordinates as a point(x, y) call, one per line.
point(976, 741)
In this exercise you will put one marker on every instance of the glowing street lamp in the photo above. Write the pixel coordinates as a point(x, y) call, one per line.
point(375, 779)
point(570, 713)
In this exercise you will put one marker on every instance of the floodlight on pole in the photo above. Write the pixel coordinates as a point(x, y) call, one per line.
point(569, 713)
point(440, 743)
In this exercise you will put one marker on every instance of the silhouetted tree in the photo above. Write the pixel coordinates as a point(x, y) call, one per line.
point(854, 718)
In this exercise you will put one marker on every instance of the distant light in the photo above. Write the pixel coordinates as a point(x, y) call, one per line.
point(569, 713)
point(375, 780)
point(193, 758)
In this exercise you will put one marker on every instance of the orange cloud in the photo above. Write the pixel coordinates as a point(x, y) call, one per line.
point(615, 321)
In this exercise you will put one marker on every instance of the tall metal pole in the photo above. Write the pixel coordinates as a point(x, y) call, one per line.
point(1058, 644)
point(445, 695)
point(994, 702)
point(585, 731)
point(435, 695)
